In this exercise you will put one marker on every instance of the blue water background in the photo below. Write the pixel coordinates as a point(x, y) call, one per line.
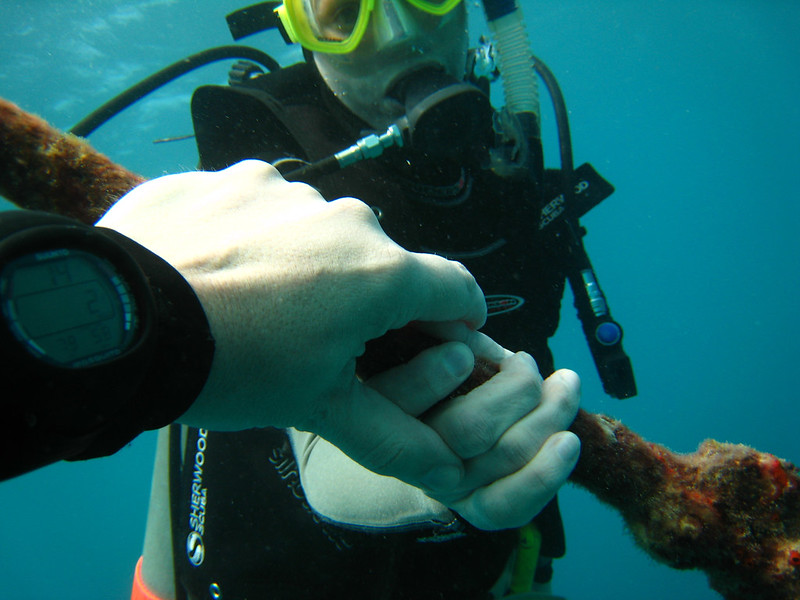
point(689, 108)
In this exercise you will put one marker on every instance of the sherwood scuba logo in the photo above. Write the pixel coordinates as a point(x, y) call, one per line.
point(195, 549)
point(498, 304)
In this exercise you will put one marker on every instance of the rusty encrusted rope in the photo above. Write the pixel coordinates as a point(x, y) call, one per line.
point(42, 168)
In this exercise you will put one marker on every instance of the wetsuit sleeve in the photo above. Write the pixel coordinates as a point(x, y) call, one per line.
point(55, 410)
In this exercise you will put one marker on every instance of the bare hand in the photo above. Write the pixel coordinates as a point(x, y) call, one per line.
point(293, 287)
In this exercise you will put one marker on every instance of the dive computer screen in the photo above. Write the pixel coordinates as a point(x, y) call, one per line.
point(68, 307)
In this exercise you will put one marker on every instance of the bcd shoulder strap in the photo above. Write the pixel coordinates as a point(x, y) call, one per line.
point(272, 116)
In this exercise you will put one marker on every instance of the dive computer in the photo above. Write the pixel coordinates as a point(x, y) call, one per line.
point(98, 339)
point(69, 305)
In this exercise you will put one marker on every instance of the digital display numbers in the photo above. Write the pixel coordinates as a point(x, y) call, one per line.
point(68, 307)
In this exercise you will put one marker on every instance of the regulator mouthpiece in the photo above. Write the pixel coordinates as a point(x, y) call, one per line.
point(445, 118)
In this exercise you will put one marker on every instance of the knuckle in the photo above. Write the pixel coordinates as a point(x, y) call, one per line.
point(297, 190)
point(257, 169)
point(471, 434)
point(532, 373)
point(495, 511)
point(515, 451)
point(435, 385)
point(530, 393)
point(528, 372)
point(387, 452)
point(356, 209)
point(523, 392)
point(469, 278)
point(566, 403)
point(543, 480)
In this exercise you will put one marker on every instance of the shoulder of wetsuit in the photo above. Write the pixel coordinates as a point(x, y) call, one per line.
point(252, 119)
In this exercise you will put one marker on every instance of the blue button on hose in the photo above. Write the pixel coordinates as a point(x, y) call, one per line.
point(608, 333)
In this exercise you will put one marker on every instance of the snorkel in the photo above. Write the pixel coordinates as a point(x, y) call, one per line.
point(520, 85)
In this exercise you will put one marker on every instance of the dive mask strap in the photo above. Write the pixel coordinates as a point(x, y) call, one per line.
point(254, 19)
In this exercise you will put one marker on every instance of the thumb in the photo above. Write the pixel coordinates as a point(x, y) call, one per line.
point(379, 435)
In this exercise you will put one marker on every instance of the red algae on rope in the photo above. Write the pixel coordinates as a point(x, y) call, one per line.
point(726, 509)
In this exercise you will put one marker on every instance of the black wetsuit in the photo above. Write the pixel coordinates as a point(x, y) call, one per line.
point(259, 538)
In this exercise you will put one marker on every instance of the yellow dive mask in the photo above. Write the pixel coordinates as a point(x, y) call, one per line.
point(338, 26)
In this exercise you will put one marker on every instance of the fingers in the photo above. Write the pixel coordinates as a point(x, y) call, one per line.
point(379, 435)
point(425, 379)
point(458, 331)
point(472, 424)
point(555, 412)
point(514, 500)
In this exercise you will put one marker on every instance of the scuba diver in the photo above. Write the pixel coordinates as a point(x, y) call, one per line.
point(389, 106)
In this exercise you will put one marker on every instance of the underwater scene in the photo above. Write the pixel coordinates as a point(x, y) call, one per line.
point(690, 110)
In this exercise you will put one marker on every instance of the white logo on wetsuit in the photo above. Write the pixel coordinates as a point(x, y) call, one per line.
point(195, 549)
point(497, 304)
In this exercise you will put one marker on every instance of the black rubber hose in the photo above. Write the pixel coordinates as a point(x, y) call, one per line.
point(562, 125)
point(164, 76)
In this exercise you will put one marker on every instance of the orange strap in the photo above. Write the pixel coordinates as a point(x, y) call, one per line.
point(140, 591)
